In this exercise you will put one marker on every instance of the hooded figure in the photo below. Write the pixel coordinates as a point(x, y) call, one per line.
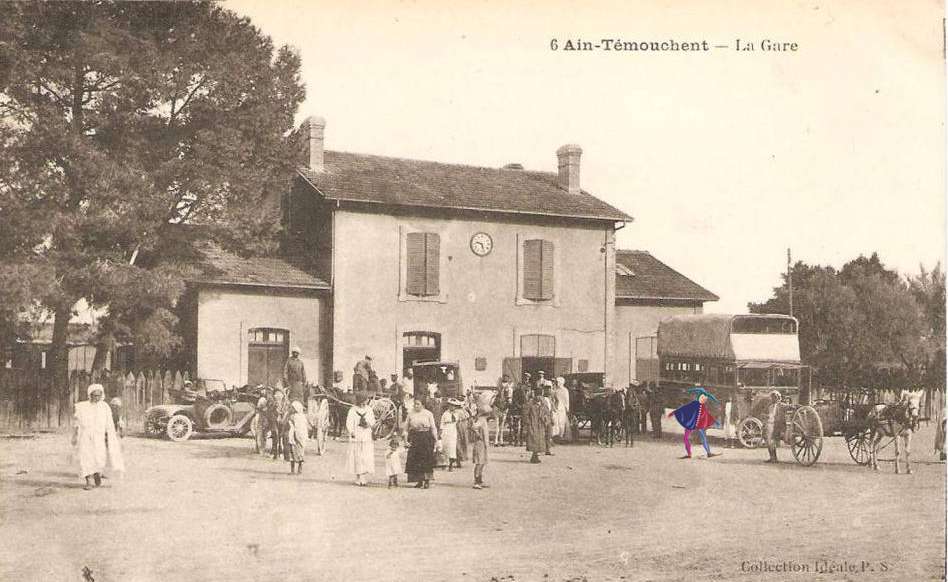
point(695, 416)
point(95, 438)
point(561, 409)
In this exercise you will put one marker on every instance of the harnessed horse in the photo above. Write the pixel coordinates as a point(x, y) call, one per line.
point(605, 411)
point(899, 421)
point(515, 415)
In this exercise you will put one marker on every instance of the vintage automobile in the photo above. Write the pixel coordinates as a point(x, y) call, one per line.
point(445, 376)
point(210, 408)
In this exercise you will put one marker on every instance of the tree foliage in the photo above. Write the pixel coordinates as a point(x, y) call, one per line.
point(119, 121)
point(866, 325)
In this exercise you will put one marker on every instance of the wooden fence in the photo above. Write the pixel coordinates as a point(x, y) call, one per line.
point(34, 402)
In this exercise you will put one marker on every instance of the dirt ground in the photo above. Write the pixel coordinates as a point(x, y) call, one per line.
point(208, 509)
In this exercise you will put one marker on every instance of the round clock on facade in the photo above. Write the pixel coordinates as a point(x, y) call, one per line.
point(481, 244)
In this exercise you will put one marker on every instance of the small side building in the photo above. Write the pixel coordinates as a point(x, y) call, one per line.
point(244, 314)
point(647, 292)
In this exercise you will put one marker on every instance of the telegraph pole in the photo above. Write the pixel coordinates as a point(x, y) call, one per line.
point(790, 281)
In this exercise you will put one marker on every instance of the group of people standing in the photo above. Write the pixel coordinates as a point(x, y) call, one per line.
point(418, 432)
point(534, 412)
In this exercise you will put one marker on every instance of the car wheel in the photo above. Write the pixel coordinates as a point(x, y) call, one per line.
point(179, 428)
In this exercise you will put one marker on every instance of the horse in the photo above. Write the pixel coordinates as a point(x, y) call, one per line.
point(605, 410)
point(899, 421)
point(515, 415)
point(630, 416)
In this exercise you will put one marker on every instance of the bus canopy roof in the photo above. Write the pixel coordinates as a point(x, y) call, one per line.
point(710, 336)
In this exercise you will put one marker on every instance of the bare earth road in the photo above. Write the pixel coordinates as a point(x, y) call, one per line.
point(209, 510)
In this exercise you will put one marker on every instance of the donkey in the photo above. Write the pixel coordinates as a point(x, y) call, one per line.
point(899, 421)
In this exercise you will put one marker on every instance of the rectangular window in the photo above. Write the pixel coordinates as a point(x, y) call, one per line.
point(537, 346)
point(583, 365)
point(424, 253)
point(538, 270)
point(480, 364)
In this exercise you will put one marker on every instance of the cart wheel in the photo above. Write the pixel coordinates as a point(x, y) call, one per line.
point(384, 410)
point(751, 433)
point(179, 428)
point(858, 445)
point(806, 439)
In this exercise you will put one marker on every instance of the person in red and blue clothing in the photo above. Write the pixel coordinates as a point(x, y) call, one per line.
point(695, 416)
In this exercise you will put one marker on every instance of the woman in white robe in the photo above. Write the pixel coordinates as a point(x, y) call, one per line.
point(360, 459)
point(319, 411)
point(95, 438)
point(449, 433)
point(561, 409)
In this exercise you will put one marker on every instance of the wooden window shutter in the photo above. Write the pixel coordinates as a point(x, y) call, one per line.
point(546, 262)
point(415, 272)
point(532, 269)
point(432, 263)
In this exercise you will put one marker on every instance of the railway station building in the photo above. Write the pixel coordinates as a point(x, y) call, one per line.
point(502, 270)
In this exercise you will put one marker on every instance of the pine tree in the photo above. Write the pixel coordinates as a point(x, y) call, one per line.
point(118, 123)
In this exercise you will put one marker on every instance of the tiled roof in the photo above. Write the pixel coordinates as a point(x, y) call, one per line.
point(223, 268)
point(401, 182)
point(653, 279)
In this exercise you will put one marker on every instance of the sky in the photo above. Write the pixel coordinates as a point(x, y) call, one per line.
point(725, 158)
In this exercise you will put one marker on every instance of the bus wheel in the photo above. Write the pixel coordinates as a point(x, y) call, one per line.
point(751, 433)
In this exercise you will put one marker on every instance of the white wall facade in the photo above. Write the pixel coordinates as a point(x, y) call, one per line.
point(226, 314)
point(478, 312)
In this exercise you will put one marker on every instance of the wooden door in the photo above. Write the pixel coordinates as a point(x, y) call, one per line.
point(266, 356)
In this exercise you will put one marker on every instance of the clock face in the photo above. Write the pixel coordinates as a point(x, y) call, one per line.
point(481, 244)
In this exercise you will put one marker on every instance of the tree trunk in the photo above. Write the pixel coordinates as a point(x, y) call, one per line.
point(104, 345)
point(59, 350)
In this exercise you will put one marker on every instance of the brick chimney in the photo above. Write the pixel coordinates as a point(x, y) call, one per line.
point(311, 135)
point(568, 166)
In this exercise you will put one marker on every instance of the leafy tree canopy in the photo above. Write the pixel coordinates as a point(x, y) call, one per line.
point(866, 325)
point(119, 121)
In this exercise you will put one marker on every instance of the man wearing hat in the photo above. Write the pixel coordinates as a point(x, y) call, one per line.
point(541, 380)
point(294, 377)
point(361, 373)
point(775, 423)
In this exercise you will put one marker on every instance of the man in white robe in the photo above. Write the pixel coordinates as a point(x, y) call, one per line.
point(561, 409)
point(94, 436)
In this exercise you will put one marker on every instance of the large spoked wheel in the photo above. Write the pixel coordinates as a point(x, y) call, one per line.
point(153, 426)
point(750, 433)
point(858, 444)
point(806, 439)
point(179, 428)
point(385, 421)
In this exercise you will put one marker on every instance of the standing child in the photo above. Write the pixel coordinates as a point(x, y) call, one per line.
point(479, 439)
point(297, 435)
point(393, 459)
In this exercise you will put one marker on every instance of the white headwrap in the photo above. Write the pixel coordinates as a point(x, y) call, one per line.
point(95, 388)
point(560, 382)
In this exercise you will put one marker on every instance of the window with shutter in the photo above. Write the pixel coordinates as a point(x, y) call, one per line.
point(416, 273)
point(432, 263)
point(538, 270)
point(423, 250)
